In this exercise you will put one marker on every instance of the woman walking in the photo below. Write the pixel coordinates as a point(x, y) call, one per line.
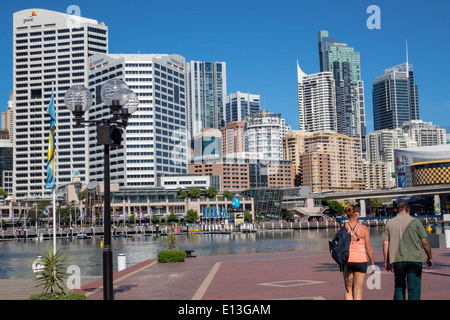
point(360, 249)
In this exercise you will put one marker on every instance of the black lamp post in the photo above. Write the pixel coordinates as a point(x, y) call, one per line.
point(122, 102)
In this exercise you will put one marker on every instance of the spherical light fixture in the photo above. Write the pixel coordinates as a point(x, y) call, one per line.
point(78, 99)
point(109, 88)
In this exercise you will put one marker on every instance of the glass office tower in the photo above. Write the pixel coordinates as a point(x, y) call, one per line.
point(395, 98)
point(344, 62)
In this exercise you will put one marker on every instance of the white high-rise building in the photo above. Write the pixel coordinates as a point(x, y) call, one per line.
point(425, 133)
point(264, 134)
point(155, 142)
point(316, 101)
point(50, 52)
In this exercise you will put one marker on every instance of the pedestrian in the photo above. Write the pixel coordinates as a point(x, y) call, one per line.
point(402, 252)
point(360, 252)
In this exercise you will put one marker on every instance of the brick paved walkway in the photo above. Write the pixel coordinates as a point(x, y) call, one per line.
point(272, 276)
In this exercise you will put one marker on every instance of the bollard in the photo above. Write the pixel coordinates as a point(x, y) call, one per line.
point(121, 262)
point(447, 236)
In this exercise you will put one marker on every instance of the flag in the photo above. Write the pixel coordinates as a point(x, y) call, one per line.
point(151, 213)
point(51, 163)
point(203, 212)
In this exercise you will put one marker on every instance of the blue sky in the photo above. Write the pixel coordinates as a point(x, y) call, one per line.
point(261, 41)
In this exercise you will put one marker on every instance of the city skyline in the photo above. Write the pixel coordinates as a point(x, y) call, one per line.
point(262, 43)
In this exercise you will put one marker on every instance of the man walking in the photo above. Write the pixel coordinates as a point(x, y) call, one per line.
point(403, 253)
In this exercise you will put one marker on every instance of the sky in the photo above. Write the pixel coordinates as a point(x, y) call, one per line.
point(261, 41)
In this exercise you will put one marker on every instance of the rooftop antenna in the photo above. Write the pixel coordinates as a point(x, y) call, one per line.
point(407, 60)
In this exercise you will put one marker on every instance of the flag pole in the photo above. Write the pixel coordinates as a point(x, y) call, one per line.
point(54, 220)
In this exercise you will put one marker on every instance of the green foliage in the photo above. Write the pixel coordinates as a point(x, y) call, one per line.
point(54, 272)
point(247, 215)
point(57, 296)
point(191, 216)
point(287, 214)
point(376, 203)
point(181, 194)
point(171, 241)
point(194, 192)
point(172, 217)
point(171, 256)
point(211, 192)
point(228, 194)
point(335, 207)
point(3, 193)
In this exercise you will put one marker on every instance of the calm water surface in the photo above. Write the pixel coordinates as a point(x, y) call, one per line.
point(16, 257)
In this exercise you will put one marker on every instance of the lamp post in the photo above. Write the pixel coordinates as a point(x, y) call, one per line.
point(123, 102)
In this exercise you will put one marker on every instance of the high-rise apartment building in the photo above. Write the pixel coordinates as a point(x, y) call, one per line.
point(344, 63)
point(240, 104)
point(8, 117)
point(425, 133)
point(206, 91)
point(316, 101)
point(395, 97)
point(155, 141)
point(381, 145)
point(50, 53)
point(264, 134)
point(325, 160)
point(233, 137)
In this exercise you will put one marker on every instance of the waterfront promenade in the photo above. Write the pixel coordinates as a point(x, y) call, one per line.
point(262, 276)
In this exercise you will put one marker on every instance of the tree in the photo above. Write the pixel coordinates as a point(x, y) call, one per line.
point(172, 217)
point(247, 216)
point(194, 192)
point(181, 193)
point(3, 193)
point(211, 192)
point(287, 215)
point(191, 216)
point(335, 207)
point(228, 194)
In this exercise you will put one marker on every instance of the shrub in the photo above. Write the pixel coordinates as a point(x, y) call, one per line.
point(170, 256)
point(53, 274)
point(57, 296)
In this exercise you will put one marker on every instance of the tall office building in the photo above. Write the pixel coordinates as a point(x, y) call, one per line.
point(264, 134)
point(238, 105)
point(155, 139)
point(395, 97)
point(344, 63)
point(316, 101)
point(206, 91)
point(50, 52)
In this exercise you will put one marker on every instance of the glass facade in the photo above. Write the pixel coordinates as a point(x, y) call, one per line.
point(395, 98)
point(267, 202)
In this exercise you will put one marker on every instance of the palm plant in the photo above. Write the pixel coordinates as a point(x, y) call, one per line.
point(53, 274)
point(171, 241)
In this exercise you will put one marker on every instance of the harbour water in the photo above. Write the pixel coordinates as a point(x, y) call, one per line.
point(16, 257)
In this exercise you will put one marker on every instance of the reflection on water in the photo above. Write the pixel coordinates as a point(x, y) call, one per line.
point(16, 257)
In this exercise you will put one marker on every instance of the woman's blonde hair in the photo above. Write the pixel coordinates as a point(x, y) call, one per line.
point(350, 211)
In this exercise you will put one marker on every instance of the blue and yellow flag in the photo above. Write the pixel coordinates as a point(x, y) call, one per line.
point(51, 163)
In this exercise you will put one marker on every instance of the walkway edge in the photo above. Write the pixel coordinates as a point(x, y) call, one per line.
point(204, 286)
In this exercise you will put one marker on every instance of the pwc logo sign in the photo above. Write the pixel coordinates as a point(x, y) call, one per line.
point(31, 18)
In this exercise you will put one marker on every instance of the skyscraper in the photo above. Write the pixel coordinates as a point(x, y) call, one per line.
point(206, 90)
point(344, 63)
point(50, 51)
point(155, 140)
point(395, 97)
point(316, 101)
point(240, 104)
point(264, 134)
